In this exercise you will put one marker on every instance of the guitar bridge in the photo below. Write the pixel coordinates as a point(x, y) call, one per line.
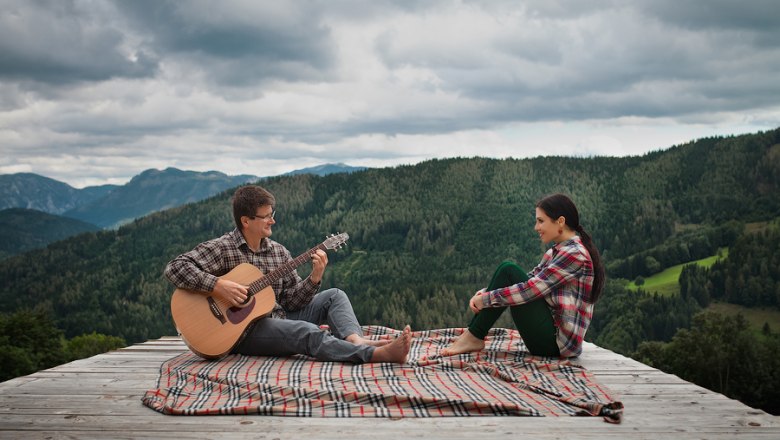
point(215, 310)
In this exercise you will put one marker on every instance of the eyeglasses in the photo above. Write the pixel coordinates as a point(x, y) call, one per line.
point(263, 217)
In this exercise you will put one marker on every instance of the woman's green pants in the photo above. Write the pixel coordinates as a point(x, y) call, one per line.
point(533, 320)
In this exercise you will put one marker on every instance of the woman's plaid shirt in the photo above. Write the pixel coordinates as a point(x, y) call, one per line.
point(564, 279)
point(199, 268)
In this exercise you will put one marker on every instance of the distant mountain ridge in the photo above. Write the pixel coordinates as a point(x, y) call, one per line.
point(325, 169)
point(33, 191)
point(154, 190)
point(37, 210)
point(109, 206)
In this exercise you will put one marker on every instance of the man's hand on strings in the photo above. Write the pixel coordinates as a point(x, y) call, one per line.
point(230, 291)
point(319, 259)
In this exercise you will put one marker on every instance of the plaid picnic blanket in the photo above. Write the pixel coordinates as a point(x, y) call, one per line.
point(502, 380)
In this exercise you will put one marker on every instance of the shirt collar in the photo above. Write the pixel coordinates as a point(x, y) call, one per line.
point(574, 241)
point(238, 237)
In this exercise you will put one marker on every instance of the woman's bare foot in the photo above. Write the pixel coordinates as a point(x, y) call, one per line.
point(464, 344)
point(395, 351)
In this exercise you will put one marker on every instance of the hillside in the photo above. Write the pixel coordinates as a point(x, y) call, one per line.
point(22, 230)
point(422, 237)
point(154, 190)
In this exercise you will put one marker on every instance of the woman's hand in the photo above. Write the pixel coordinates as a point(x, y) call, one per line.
point(475, 304)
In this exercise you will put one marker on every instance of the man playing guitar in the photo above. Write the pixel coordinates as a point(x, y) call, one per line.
point(299, 310)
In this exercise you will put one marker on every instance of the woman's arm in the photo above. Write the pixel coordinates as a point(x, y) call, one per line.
point(562, 268)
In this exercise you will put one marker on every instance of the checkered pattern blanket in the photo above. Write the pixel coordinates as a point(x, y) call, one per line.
point(502, 380)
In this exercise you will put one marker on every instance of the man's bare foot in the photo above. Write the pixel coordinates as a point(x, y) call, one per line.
point(407, 333)
point(373, 343)
point(359, 340)
point(396, 351)
point(464, 344)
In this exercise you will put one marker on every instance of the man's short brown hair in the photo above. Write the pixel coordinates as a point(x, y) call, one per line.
point(247, 199)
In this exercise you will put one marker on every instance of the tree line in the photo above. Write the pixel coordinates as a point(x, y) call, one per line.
point(676, 334)
point(749, 277)
point(30, 341)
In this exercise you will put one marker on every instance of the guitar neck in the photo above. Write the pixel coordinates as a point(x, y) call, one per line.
point(283, 270)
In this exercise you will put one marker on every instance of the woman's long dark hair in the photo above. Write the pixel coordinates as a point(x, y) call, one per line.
point(559, 205)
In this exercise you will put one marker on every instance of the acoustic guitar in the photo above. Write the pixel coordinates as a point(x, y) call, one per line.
point(211, 326)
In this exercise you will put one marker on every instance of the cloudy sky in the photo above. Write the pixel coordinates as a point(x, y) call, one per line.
point(97, 91)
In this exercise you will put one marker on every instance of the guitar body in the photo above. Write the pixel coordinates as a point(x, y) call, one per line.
point(210, 326)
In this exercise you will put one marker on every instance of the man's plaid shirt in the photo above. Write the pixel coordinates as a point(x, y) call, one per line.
point(564, 279)
point(199, 268)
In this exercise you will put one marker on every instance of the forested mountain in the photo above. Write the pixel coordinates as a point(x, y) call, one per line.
point(32, 191)
point(24, 229)
point(422, 236)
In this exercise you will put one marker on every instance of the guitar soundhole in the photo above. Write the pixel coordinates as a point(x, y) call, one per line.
point(237, 314)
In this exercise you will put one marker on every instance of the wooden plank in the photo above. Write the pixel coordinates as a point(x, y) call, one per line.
point(393, 435)
point(489, 427)
point(101, 384)
point(105, 402)
point(100, 397)
point(132, 408)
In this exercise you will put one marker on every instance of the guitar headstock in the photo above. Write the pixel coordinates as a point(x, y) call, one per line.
point(336, 241)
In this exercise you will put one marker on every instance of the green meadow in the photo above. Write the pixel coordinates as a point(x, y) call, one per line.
point(666, 282)
point(757, 317)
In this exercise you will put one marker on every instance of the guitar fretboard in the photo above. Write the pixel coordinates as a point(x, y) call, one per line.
point(282, 270)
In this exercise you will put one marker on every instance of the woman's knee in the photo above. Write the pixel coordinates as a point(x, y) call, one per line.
point(509, 267)
point(509, 264)
point(507, 273)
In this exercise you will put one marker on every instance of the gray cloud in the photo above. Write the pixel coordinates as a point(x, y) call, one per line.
point(65, 41)
point(755, 16)
point(551, 62)
point(158, 83)
point(237, 43)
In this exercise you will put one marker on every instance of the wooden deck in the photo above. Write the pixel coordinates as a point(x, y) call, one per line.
point(100, 397)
